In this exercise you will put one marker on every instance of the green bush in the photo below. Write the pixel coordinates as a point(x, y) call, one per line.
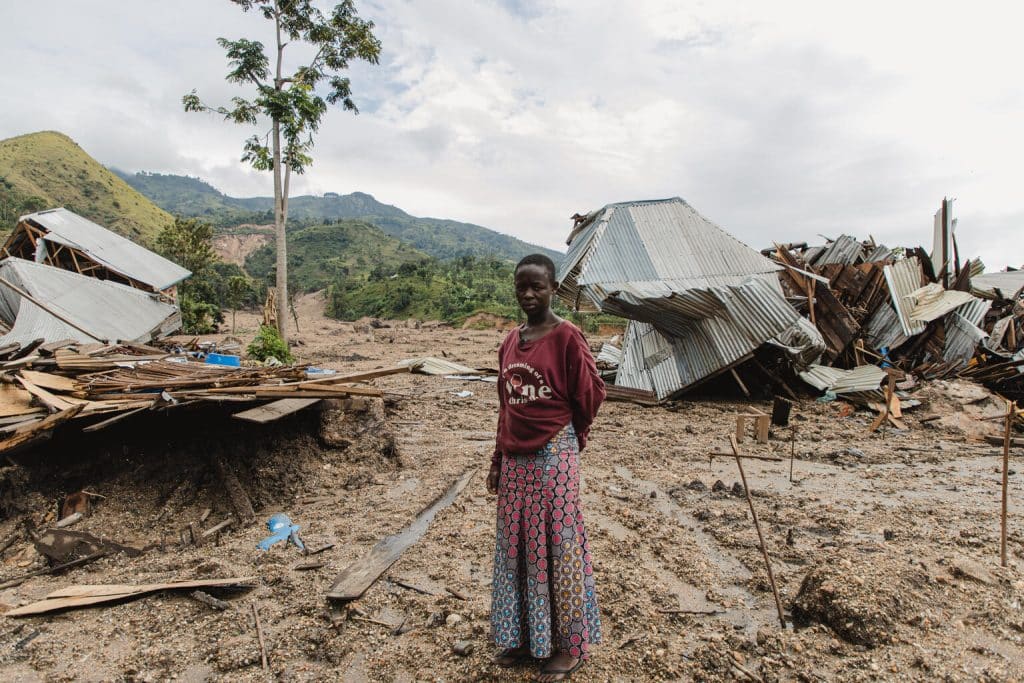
point(269, 343)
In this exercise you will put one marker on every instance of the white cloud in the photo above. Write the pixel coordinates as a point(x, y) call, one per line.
point(777, 120)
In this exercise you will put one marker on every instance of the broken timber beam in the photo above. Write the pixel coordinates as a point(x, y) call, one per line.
point(360, 575)
point(236, 492)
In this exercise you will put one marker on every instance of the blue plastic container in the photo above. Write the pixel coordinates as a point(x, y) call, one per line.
point(223, 359)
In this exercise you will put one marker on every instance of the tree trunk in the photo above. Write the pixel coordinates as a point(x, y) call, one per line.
point(280, 200)
point(282, 239)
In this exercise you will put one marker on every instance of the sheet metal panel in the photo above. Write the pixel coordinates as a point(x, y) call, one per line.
point(109, 310)
point(884, 330)
point(108, 248)
point(839, 381)
point(931, 302)
point(962, 338)
point(1009, 283)
point(845, 250)
point(903, 279)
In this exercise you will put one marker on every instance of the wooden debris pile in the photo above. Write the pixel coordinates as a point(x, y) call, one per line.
point(92, 386)
point(897, 308)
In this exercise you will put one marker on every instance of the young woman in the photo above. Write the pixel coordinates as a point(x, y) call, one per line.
point(543, 604)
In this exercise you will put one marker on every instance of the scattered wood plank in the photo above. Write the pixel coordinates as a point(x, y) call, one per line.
point(276, 410)
point(83, 596)
point(38, 430)
point(357, 577)
point(49, 380)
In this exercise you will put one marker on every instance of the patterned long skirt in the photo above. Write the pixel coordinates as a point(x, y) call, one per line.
point(543, 594)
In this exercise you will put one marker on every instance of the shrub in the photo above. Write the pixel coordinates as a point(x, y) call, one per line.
point(269, 343)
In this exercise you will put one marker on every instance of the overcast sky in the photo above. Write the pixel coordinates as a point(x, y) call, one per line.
point(778, 120)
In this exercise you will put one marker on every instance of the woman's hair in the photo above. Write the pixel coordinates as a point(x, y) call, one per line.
point(539, 260)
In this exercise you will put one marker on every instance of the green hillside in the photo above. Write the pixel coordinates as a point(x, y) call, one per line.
point(48, 169)
point(322, 254)
point(443, 239)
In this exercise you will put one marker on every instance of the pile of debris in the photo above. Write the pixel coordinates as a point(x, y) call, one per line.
point(84, 315)
point(700, 303)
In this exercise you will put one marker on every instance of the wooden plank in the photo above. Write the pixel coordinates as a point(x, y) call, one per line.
point(82, 596)
point(38, 429)
point(358, 377)
point(53, 402)
point(320, 392)
point(15, 401)
point(360, 575)
point(48, 380)
point(276, 410)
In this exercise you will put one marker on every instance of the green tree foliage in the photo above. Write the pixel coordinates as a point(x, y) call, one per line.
point(290, 102)
point(189, 243)
point(427, 289)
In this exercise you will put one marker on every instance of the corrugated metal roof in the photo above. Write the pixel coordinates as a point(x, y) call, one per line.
point(1009, 283)
point(663, 355)
point(659, 240)
point(702, 299)
point(962, 338)
point(879, 253)
point(839, 381)
point(884, 329)
point(931, 302)
point(109, 310)
point(610, 355)
point(108, 248)
point(903, 279)
point(845, 250)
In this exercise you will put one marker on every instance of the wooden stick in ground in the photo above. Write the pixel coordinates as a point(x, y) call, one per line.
point(1006, 471)
point(792, 451)
point(757, 526)
point(259, 635)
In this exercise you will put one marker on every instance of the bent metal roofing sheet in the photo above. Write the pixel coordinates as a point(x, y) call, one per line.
point(702, 300)
point(108, 248)
point(108, 310)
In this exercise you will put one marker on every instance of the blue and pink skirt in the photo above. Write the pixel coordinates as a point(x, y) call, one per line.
point(543, 593)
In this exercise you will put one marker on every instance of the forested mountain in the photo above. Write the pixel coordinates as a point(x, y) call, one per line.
point(48, 169)
point(440, 238)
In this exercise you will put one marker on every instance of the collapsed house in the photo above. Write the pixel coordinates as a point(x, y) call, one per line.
point(699, 300)
point(66, 278)
point(700, 303)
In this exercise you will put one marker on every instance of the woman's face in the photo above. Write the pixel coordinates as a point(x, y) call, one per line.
point(534, 288)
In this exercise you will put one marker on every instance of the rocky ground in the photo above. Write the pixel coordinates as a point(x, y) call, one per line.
point(885, 547)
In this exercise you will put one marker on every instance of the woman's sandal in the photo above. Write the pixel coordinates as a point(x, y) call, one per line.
point(564, 673)
point(512, 656)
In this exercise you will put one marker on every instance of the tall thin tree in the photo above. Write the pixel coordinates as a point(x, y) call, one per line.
point(290, 98)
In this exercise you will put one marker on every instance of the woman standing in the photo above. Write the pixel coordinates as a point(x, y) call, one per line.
point(544, 604)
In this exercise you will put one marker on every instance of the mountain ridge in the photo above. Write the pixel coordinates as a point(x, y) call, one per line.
point(47, 169)
point(438, 237)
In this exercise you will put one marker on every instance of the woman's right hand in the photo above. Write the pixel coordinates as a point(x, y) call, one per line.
point(492, 478)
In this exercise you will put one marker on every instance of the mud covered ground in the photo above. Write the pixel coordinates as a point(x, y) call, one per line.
point(894, 537)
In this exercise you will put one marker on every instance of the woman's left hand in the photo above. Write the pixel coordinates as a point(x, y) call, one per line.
point(492, 479)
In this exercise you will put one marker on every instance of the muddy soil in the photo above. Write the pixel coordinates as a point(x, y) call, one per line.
point(885, 546)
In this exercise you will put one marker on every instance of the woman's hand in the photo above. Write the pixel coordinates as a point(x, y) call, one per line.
point(492, 478)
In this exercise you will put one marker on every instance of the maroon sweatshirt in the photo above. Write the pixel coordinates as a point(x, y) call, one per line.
point(543, 385)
